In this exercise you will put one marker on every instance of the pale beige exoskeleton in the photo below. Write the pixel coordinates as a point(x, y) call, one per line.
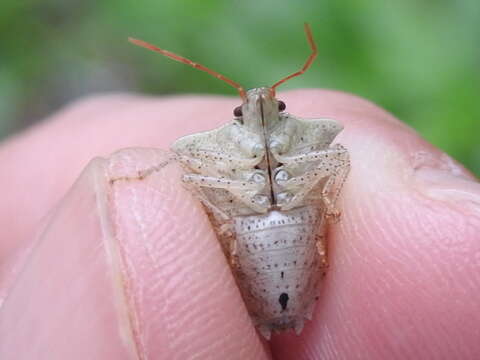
point(268, 181)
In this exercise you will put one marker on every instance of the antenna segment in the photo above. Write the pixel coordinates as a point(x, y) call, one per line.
point(309, 61)
point(240, 89)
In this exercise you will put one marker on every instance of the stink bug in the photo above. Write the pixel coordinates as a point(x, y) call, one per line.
point(269, 182)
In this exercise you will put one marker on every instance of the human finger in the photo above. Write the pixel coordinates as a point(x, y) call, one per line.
point(403, 278)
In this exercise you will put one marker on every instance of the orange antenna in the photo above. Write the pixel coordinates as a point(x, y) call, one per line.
point(179, 58)
point(309, 61)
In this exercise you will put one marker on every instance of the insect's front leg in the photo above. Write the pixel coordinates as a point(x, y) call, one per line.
point(332, 163)
point(215, 163)
point(249, 144)
point(280, 142)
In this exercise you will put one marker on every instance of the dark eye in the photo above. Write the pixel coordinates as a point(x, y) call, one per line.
point(237, 111)
point(281, 105)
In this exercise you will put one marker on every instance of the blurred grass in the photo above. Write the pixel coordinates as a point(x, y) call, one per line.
point(418, 59)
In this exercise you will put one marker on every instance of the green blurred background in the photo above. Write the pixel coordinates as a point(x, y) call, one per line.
point(418, 59)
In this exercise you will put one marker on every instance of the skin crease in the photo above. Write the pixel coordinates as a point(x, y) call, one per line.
point(132, 270)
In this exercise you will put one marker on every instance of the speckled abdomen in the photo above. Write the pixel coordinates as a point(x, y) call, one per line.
point(279, 261)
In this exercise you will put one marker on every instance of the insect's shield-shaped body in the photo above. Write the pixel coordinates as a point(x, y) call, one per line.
point(269, 182)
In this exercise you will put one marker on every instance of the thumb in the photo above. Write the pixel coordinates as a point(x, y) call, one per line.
point(127, 268)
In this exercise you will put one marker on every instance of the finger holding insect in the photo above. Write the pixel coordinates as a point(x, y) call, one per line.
point(402, 252)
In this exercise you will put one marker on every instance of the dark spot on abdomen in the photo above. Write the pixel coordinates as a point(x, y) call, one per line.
point(283, 300)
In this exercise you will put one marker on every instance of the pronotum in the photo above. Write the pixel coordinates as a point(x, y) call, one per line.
point(269, 182)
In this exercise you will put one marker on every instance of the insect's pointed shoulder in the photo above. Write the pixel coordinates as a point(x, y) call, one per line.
point(325, 125)
point(323, 130)
point(203, 140)
point(329, 127)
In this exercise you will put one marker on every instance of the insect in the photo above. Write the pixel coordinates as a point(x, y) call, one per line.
point(269, 182)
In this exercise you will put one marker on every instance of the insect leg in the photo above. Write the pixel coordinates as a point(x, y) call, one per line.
point(219, 160)
point(335, 166)
point(332, 189)
point(323, 156)
point(222, 220)
point(207, 203)
point(321, 170)
point(245, 191)
point(233, 257)
point(221, 182)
